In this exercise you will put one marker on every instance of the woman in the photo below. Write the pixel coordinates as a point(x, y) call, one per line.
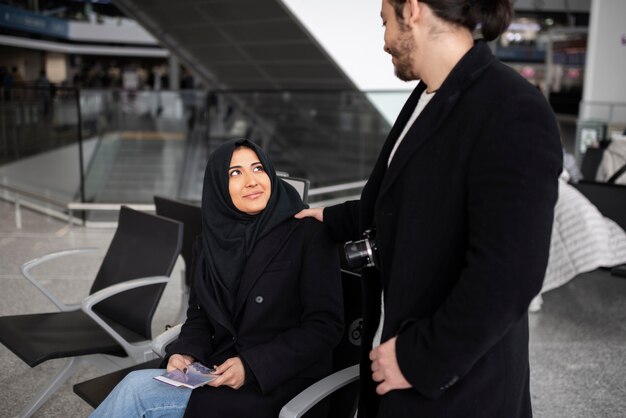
point(266, 304)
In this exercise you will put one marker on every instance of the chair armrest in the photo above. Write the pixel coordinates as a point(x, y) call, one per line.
point(88, 303)
point(27, 266)
point(309, 397)
point(163, 339)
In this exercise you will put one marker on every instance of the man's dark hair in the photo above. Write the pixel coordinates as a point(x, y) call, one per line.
point(494, 16)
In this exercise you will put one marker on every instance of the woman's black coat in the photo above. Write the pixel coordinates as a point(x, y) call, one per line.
point(288, 317)
point(463, 218)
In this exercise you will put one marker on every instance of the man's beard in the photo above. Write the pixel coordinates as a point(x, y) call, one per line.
point(403, 54)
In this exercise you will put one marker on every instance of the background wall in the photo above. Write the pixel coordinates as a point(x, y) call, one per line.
point(351, 32)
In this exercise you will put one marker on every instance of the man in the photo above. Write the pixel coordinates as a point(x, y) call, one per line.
point(461, 200)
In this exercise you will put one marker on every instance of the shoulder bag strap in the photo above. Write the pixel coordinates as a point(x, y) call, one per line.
point(617, 175)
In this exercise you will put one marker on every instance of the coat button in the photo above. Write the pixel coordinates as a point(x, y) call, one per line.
point(258, 299)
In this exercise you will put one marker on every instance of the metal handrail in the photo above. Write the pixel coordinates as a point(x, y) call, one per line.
point(72, 206)
point(34, 196)
point(337, 188)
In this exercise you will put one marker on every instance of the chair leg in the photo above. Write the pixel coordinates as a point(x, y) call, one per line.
point(58, 379)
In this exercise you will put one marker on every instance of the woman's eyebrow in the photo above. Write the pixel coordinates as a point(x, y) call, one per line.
point(251, 164)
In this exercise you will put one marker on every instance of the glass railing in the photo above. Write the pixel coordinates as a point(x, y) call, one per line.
point(133, 145)
point(39, 139)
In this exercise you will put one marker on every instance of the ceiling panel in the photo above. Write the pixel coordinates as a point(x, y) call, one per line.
point(307, 84)
point(302, 70)
point(215, 54)
point(273, 30)
point(172, 13)
point(239, 71)
point(234, 11)
point(292, 51)
point(203, 34)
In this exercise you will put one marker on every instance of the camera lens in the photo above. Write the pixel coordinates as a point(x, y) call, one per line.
point(358, 254)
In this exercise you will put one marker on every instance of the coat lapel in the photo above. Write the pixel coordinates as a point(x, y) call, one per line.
point(212, 307)
point(461, 77)
point(263, 253)
point(372, 187)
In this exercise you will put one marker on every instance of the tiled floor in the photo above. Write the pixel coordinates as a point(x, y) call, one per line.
point(578, 349)
point(578, 340)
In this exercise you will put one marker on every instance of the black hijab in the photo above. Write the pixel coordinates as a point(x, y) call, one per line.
point(229, 235)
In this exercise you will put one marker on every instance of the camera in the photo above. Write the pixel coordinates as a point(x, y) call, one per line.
point(363, 253)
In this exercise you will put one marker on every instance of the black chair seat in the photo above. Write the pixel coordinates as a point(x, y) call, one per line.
point(94, 391)
point(144, 247)
point(39, 337)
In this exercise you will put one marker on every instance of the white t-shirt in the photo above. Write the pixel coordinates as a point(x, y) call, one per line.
point(421, 104)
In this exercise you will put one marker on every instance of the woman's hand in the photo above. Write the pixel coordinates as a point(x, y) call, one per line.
point(231, 373)
point(317, 213)
point(180, 362)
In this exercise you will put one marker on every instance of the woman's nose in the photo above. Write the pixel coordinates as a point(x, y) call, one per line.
point(251, 181)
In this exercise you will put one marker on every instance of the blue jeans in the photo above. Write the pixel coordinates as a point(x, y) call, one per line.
point(139, 395)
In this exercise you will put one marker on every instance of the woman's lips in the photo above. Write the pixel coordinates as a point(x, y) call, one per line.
point(253, 196)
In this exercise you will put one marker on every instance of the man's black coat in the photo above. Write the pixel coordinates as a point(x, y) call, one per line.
point(288, 317)
point(463, 218)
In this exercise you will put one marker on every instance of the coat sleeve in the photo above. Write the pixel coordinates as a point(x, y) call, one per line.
point(195, 338)
point(343, 221)
point(511, 192)
point(321, 318)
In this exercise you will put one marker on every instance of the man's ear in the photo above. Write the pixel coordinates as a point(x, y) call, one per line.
point(411, 12)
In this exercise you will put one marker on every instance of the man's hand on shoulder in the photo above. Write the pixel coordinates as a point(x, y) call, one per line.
point(317, 213)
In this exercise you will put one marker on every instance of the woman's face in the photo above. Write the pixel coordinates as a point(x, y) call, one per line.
point(248, 183)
